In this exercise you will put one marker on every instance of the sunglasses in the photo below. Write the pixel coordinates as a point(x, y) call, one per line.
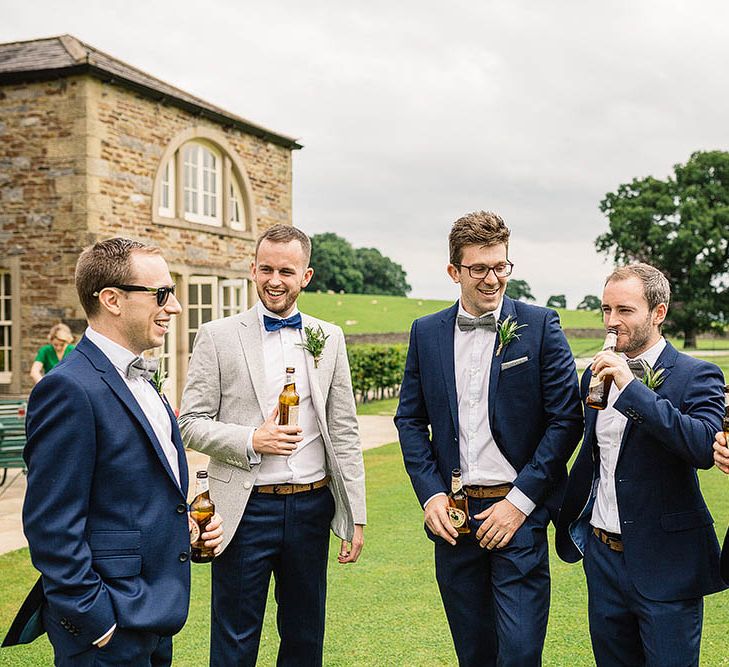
point(162, 293)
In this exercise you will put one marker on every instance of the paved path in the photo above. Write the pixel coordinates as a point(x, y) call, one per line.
point(374, 430)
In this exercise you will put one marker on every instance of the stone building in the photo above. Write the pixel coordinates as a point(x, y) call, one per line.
point(90, 148)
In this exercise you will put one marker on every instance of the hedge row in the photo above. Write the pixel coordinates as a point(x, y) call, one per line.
point(377, 370)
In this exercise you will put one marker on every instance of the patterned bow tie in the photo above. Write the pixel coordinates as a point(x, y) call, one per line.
point(142, 368)
point(636, 365)
point(487, 321)
point(275, 323)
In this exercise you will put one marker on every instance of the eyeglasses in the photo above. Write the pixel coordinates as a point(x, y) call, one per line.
point(481, 271)
point(162, 293)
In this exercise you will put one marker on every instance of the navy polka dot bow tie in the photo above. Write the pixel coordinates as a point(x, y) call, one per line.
point(275, 323)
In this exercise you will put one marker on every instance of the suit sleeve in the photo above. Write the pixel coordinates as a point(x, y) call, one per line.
point(412, 422)
point(687, 430)
point(61, 455)
point(343, 429)
point(562, 410)
point(200, 406)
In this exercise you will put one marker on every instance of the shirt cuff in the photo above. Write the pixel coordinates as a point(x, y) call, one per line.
point(108, 633)
point(253, 455)
point(435, 495)
point(520, 501)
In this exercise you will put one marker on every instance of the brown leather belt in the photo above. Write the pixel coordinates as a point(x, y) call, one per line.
point(288, 489)
point(499, 491)
point(613, 541)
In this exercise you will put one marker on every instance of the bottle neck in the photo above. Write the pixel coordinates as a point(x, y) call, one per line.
point(201, 486)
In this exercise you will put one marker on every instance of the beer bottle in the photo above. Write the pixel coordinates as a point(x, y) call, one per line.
point(599, 390)
point(458, 504)
point(201, 511)
point(725, 421)
point(288, 401)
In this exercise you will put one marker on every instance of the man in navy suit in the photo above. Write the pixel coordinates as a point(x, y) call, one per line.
point(105, 511)
point(633, 507)
point(506, 411)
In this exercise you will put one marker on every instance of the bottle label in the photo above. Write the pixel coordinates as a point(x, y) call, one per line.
point(293, 415)
point(611, 341)
point(194, 532)
point(202, 486)
point(456, 485)
point(594, 383)
point(457, 517)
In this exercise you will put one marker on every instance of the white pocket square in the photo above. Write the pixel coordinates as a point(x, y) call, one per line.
point(514, 362)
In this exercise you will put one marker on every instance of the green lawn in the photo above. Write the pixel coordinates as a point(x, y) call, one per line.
point(385, 610)
point(363, 313)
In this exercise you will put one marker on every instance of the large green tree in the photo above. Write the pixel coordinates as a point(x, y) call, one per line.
point(557, 301)
point(381, 275)
point(681, 226)
point(590, 302)
point(335, 264)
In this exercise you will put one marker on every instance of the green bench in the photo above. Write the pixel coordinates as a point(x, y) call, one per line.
point(12, 435)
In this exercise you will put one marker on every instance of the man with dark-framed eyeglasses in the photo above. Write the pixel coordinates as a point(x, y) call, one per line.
point(490, 387)
point(105, 511)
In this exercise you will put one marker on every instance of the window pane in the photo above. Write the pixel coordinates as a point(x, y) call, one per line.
point(190, 340)
point(192, 295)
point(207, 314)
point(193, 318)
point(207, 294)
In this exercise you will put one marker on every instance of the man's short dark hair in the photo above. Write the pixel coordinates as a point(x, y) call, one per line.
point(284, 234)
point(103, 264)
point(482, 228)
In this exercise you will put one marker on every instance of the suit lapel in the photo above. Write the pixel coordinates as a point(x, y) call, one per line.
point(177, 440)
point(447, 359)
point(666, 360)
point(111, 377)
point(251, 341)
point(507, 309)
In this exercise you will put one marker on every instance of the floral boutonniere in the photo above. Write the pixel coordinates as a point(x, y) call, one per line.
point(159, 379)
point(315, 341)
point(652, 377)
point(507, 331)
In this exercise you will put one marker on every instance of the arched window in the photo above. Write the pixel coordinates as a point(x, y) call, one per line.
point(201, 180)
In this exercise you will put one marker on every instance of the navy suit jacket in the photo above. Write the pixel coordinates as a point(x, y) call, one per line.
point(534, 406)
point(105, 519)
point(670, 546)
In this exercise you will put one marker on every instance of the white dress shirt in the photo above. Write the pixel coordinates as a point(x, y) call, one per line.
point(609, 430)
point(482, 462)
point(282, 349)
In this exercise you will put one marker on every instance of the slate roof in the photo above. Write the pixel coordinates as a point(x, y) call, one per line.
point(56, 57)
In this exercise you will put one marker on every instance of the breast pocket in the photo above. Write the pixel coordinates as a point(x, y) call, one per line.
point(515, 367)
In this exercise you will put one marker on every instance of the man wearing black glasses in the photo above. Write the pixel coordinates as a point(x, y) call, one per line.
point(105, 512)
point(490, 387)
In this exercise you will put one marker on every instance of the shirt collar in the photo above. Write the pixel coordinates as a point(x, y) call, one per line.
point(262, 310)
point(650, 356)
point(119, 356)
point(496, 313)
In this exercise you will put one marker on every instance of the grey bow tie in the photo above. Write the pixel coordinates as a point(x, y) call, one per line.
point(143, 368)
point(636, 365)
point(487, 322)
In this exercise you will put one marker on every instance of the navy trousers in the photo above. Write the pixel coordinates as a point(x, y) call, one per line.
point(628, 629)
point(497, 602)
point(283, 535)
point(127, 648)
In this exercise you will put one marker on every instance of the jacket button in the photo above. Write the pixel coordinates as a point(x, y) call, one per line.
point(246, 485)
point(181, 508)
point(184, 556)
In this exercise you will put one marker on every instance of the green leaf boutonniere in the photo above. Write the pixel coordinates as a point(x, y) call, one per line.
point(507, 331)
point(315, 341)
point(159, 379)
point(652, 377)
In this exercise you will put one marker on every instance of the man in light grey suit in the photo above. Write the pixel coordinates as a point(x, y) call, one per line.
point(278, 488)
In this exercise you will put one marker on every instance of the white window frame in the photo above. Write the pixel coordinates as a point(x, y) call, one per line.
point(6, 326)
point(198, 187)
point(168, 182)
point(197, 282)
point(236, 211)
point(237, 290)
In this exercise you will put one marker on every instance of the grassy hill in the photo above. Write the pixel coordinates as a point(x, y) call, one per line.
point(364, 313)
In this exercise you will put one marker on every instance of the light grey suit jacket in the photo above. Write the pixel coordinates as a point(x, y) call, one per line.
point(224, 402)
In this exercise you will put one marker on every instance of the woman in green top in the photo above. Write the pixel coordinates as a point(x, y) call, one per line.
point(48, 356)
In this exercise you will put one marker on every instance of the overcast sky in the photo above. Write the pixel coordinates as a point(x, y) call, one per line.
point(413, 113)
